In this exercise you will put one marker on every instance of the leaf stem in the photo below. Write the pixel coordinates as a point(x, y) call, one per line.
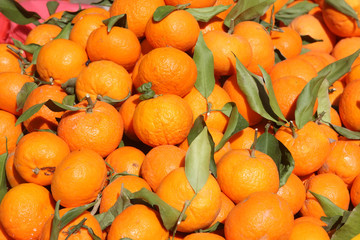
point(293, 130)
point(253, 147)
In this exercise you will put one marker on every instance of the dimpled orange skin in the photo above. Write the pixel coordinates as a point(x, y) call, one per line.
point(12, 175)
point(166, 119)
point(59, 60)
point(193, 3)
point(138, 222)
point(126, 111)
point(203, 236)
point(9, 61)
point(101, 130)
point(355, 191)
point(42, 152)
point(349, 109)
point(239, 174)
point(308, 149)
point(168, 69)
point(9, 133)
point(175, 189)
point(79, 178)
point(120, 45)
point(263, 215)
point(179, 29)
point(25, 209)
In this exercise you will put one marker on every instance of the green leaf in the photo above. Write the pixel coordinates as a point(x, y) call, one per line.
point(30, 48)
point(91, 232)
point(286, 15)
point(344, 8)
point(3, 184)
point(351, 227)
point(206, 13)
point(106, 3)
point(247, 10)
point(16, 13)
point(75, 228)
point(345, 132)
point(197, 160)
point(118, 21)
point(307, 98)
point(278, 56)
point(74, 213)
point(105, 219)
point(35, 55)
point(216, 226)
point(65, 19)
point(254, 90)
point(52, 6)
point(332, 223)
point(21, 97)
point(324, 103)
point(162, 11)
point(59, 107)
point(113, 101)
point(28, 113)
point(146, 91)
point(329, 207)
point(69, 100)
point(307, 39)
point(69, 86)
point(204, 61)
point(236, 123)
point(55, 226)
point(268, 144)
point(168, 214)
point(65, 32)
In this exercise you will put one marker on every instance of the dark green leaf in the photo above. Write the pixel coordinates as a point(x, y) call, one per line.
point(162, 11)
point(35, 55)
point(3, 184)
point(351, 227)
point(28, 113)
point(344, 8)
point(118, 21)
point(332, 222)
point(73, 213)
point(24, 93)
point(69, 86)
point(206, 13)
point(278, 56)
point(58, 107)
point(216, 226)
point(329, 207)
point(91, 232)
point(106, 3)
point(105, 219)
point(113, 101)
point(236, 123)
point(47, 130)
point(75, 228)
point(169, 215)
point(65, 32)
point(304, 50)
point(55, 226)
point(52, 6)
point(16, 13)
point(345, 132)
point(307, 39)
point(69, 100)
point(247, 10)
point(287, 164)
point(324, 103)
point(30, 48)
point(307, 98)
point(204, 61)
point(197, 160)
point(286, 15)
point(65, 19)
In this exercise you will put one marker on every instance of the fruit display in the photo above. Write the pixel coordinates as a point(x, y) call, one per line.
point(180, 119)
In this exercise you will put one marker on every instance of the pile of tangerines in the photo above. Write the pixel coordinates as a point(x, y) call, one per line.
point(183, 119)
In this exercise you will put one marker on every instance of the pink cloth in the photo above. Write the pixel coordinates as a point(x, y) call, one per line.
point(10, 30)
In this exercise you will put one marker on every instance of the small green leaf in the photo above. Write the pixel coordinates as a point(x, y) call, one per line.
point(30, 48)
point(113, 101)
point(3, 184)
point(169, 215)
point(55, 226)
point(345, 132)
point(216, 226)
point(69, 100)
point(21, 97)
point(28, 113)
point(58, 107)
point(162, 11)
point(146, 91)
point(106, 3)
point(105, 219)
point(307, 98)
point(52, 6)
point(351, 227)
point(329, 207)
point(74, 213)
point(16, 13)
point(286, 15)
point(344, 8)
point(69, 86)
point(118, 21)
point(35, 55)
point(204, 61)
point(197, 160)
point(91, 232)
point(206, 13)
point(65, 32)
point(278, 56)
point(247, 10)
point(332, 223)
point(307, 39)
point(75, 228)
point(287, 164)
point(236, 123)
point(324, 103)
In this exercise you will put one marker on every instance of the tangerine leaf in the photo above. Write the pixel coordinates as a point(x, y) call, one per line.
point(118, 21)
point(345, 132)
point(307, 98)
point(332, 222)
point(307, 39)
point(204, 61)
point(213, 228)
point(91, 232)
point(328, 206)
point(73, 213)
point(344, 8)
point(69, 100)
point(16, 13)
point(30, 48)
point(59, 107)
point(278, 56)
point(197, 160)
point(24, 92)
point(69, 86)
point(350, 229)
point(169, 215)
point(65, 32)
point(106, 218)
point(113, 101)
point(28, 113)
point(52, 6)
point(287, 164)
point(286, 15)
point(247, 10)
point(3, 184)
point(206, 13)
point(236, 123)
point(55, 225)
point(106, 3)
point(35, 55)
point(162, 11)
point(324, 103)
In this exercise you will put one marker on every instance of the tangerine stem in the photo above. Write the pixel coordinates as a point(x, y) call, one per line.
point(36, 170)
point(90, 105)
point(293, 130)
point(253, 147)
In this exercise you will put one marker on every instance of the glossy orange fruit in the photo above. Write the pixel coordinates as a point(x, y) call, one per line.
point(335, 92)
point(288, 42)
point(9, 61)
point(226, 206)
point(355, 191)
point(9, 133)
point(242, 139)
point(193, 3)
point(203, 236)
point(126, 111)
point(308, 230)
point(90, 11)
point(345, 47)
point(293, 192)
point(348, 106)
point(12, 175)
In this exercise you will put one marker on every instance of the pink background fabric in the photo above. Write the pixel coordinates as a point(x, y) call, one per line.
point(10, 30)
